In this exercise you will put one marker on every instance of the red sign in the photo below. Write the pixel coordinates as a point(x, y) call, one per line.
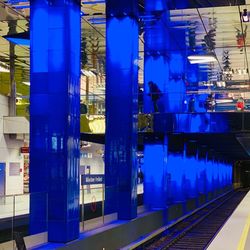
point(25, 150)
point(93, 204)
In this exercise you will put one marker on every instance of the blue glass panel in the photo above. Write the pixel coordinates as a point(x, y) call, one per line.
point(155, 188)
point(54, 116)
point(176, 173)
point(156, 70)
point(156, 54)
point(121, 110)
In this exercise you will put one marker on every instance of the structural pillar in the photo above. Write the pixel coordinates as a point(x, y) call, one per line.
point(12, 100)
point(176, 88)
point(55, 118)
point(156, 51)
point(156, 181)
point(121, 108)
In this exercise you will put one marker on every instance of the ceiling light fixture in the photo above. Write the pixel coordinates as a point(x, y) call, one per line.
point(245, 16)
point(87, 73)
point(202, 59)
point(26, 83)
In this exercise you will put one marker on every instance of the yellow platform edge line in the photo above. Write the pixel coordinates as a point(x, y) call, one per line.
point(243, 238)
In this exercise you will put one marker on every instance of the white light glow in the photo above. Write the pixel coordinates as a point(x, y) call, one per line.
point(194, 59)
point(26, 83)
point(224, 101)
point(87, 73)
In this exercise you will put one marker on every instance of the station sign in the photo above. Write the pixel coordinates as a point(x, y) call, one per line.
point(91, 179)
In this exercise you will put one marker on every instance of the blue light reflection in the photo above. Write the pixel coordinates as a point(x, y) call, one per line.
point(178, 178)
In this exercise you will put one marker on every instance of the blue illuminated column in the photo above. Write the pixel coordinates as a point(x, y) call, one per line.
point(164, 57)
point(202, 179)
point(176, 88)
point(156, 50)
point(121, 108)
point(176, 178)
point(178, 67)
point(191, 169)
point(54, 118)
point(156, 178)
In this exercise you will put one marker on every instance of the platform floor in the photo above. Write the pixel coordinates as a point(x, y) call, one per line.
point(234, 235)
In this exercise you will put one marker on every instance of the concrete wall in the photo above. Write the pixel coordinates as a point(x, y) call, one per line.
point(114, 237)
point(10, 152)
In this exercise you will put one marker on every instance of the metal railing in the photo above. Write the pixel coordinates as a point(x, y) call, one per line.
point(14, 215)
point(15, 211)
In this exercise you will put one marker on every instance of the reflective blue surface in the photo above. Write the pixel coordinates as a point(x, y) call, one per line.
point(121, 109)
point(211, 122)
point(155, 188)
point(164, 59)
point(54, 117)
point(175, 177)
point(156, 38)
point(18, 41)
point(154, 5)
point(176, 88)
point(181, 4)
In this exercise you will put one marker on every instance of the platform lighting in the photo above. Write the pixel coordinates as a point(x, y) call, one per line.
point(26, 83)
point(245, 16)
point(87, 72)
point(221, 84)
point(194, 59)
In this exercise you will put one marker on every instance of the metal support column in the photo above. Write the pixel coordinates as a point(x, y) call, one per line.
point(12, 100)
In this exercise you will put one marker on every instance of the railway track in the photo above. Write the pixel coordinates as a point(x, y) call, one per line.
point(196, 231)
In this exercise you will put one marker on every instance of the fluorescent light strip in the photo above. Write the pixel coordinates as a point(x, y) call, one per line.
point(194, 57)
point(201, 59)
point(87, 73)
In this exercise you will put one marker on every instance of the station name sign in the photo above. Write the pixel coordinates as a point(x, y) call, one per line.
point(92, 179)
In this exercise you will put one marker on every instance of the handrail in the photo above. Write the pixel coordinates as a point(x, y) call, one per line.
point(15, 195)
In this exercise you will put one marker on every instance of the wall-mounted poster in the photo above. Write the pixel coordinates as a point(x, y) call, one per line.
point(14, 169)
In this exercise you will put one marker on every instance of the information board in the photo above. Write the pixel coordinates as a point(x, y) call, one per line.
point(92, 179)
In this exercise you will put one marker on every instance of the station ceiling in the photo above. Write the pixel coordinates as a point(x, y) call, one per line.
point(203, 19)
